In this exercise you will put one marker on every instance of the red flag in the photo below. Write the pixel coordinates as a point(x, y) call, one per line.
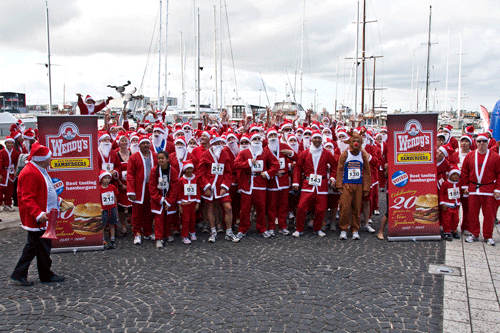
point(485, 119)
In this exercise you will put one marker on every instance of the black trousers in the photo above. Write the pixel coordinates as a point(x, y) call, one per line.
point(35, 247)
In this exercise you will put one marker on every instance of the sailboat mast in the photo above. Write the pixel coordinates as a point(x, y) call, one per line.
point(48, 55)
point(159, 62)
point(302, 49)
point(363, 62)
point(447, 70)
point(166, 55)
point(460, 76)
point(220, 52)
point(215, 59)
point(356, 65)
point(428, 63)
point(198, 66)
point(182, 73)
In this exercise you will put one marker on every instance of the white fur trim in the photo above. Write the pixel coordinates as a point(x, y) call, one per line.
point(42, 158)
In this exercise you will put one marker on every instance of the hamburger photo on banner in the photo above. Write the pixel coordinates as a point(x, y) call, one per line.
point(87, 219)
point(426, 209)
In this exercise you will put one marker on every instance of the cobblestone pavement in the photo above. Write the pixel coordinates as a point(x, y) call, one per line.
point(309, 284)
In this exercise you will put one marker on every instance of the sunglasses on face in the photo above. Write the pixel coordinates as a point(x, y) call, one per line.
point(482, 141)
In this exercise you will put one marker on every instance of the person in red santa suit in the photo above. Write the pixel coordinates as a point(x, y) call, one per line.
point(370, 202)
point(29, 139)
point(124, 204)
point(442, 163)
point(481, 180)
point(278, 186)
point(255, 167)
point(164, 187)
point(448, 138)
point(491, 141)
point(379, 142)
point(449, 200)
point(139, 169)
point(312, 167)
point(188, 201)
point(37, 197)
point(108, 158)
point(232, 149)
point(333, 196)
point(88, 106)
point(203, 147)
point(465, 148)
point(159, 140)
point(8, 162)
point(469, 131)
point(214, 170)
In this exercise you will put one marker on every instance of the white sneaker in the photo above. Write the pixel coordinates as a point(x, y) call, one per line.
point(490, 241)
point(296, 234)
point(321, 234)
point(355, 235)
point(137, 240)
point(212, 238)
point(8, 208)
point(271, 232)
point(466, 233)
point(310, 224)
point(471, 239)
point(266, 234)
point(151, 237)
point(343, 235)
point(240, 235)
point(193, 237)
point(159, 243)
point(230, 236)
point(376, 212)
point(186, 240)
point(290, 216)
point(170, 239)
point(284, 232)
point(370, 229)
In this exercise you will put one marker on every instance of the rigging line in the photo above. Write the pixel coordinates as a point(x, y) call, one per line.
point(231, 48)
point(149, 52)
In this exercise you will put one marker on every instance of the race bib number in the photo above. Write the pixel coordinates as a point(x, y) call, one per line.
point(163, 183)
point(453, 193)
point(315, 180)
point(124, 175)
point(11, 169)
point(217, 169)
point(108, 198)
point(282, 162)
point(354, 174)
point(107, 166)
point(258, 166)
point(189, 189)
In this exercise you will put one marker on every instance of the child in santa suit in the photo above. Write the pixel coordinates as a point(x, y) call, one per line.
point(449, 199)
point(109, 197)
point(189, 201)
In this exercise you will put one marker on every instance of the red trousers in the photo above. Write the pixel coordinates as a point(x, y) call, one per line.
point(277, 207)
point(235, 204)
point(7, 193)
point(374, 201)
point(142, 217)
point(488, 204)
point(163, 224)
point(258, 199)
point(311, 201)
point(464, 201)
point(188, 218)
point(382, 181)
point(449, 219)
point(333, 201)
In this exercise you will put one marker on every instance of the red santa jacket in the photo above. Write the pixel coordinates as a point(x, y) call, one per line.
point(8, 164)
point(32, 191)
point(485, 179)
point(249, 175)
point(169, 147)
point(189, 189)
point(442, 168)
point(198, 151)
point(110, 163)
point(232, 158)
point(83, 107)
point(449, 194)
point(454, 158)
point(375, 157)
point(282, 182)
point(175, 162)
point(214, 173)
point(136, 179)
point(304, 169)
point(160, 197)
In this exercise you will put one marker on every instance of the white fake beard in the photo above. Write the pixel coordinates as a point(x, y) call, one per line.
point(384, 137)
point(243, 147)
point(446, 137)
point(234, 147)
point(262, 136)
point(105, 148)
point(325, 136)
point(188, 135)
point(134, 148)
point(180, 152)
point(342, 146)
point(273, 144)
point(315, 150)
point(295, 147)
point(22, 128)
point(27, 145)
point(190, 148)
point(113, 136)
point(217, 150)
point(307, 142)
point(157, 140)
point(256, 148)
point(299, 137)
point(90, 107)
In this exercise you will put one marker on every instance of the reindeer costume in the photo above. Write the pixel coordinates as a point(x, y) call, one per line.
point(353, 180)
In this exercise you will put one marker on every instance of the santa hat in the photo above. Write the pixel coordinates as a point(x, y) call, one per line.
point(15, 134)
point(230, 134)
point(159, 127)
point(214, 137)
point(454, 168)
point(9, 139)
point(134, 135)
point(254, 127)
point(178, 131)
point(88, 98)
point(300, 128)
point(329, 142)
point(180, 139)
point(470, 130)
point(187, 164)
point(448, 128)
point(383, 129)
point(490, 132)
point(103, 173)
point(272, 130)
point(482, 136)
point(143, 138)
point(447, 149)
point(326, 129)
point(326, 118)
point(315, 125)
point(441, 134)
point(39, 153)
point(103, 135)
point(316, 133)
point(186, 125)
point(29, 134)
point(343, 132)
point(245, 137)
point(466, 137)
point(290, 137)
point(254, 135)
point(378, 135)
point(308, 130)
point(285, 125)
point(13, 127)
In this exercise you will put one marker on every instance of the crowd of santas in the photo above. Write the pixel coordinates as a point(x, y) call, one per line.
point(281, 170)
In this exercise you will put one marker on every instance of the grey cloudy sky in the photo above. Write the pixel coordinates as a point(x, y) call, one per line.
point(97, 43)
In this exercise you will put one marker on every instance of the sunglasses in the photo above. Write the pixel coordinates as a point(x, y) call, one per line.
point(482, 141)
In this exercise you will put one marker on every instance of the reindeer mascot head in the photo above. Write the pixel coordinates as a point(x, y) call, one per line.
point(355, 141)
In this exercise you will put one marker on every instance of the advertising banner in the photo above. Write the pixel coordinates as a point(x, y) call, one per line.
point(74, 172)
point(413, 196)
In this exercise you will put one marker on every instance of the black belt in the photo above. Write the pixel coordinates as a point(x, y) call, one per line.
point(255, 174)
point(478, 185)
